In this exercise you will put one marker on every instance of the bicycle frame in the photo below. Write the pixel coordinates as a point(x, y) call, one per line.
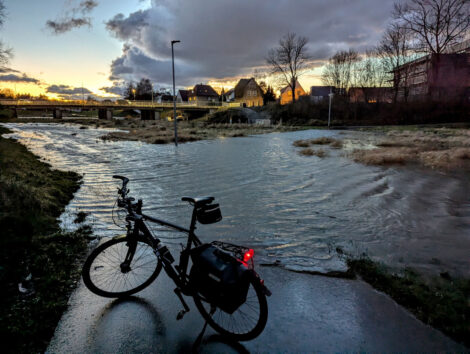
point(177, 273)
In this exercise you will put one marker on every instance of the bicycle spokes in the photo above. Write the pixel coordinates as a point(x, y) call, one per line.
point(111, 270)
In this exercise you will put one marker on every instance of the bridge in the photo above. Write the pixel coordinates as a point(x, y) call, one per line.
point(148, 110)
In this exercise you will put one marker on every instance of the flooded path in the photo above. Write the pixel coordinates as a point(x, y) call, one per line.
point(294, 209)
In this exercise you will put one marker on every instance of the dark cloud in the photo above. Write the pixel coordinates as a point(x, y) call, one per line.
point(134, 65)
point(62, 26)
point(116, 89)
point(67, 90)
point(74, 18)
point(18, 78)
point(4, 69)
point(228, 38)
point(87, 5)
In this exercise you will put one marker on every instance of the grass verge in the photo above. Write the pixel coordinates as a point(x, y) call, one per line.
point(38, 261)
point(442, 302)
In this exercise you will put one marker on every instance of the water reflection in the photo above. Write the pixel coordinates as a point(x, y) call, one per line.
point(291, 208)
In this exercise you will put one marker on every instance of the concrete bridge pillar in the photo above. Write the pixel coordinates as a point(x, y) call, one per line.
point(57, 113)
point(105, 114)
point(157, 115)
point(14, 113)
point(147, 114)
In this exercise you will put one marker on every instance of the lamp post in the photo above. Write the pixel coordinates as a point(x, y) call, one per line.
point(174, 93)
point(330, 95)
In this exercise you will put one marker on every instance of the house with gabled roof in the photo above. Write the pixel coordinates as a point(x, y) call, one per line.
point(286, 93)
point(247, 92)
point(182, 96)
point(203, 93)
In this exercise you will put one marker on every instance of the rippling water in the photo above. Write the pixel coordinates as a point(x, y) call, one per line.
point(292, 208)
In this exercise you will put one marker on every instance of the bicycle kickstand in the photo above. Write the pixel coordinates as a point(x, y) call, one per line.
point(180, 314)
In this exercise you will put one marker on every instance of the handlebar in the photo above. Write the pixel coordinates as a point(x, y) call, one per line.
point(125, 180)
point(125, 201)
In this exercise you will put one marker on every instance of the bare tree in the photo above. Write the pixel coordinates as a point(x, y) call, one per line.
point(394, 50)
point(338, 72)
point(435, 24)
point(289, 60)
point(368, 73)
point(5, 53)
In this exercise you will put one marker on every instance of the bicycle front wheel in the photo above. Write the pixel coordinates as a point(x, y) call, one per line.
point(246, 323)
point(103, 274)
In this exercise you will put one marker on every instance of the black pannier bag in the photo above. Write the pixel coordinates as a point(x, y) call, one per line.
point(208, 213)
point(219, 277)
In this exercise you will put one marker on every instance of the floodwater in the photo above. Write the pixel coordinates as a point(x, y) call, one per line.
point(293, 209)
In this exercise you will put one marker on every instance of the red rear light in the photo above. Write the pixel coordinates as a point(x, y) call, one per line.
point(248, 255)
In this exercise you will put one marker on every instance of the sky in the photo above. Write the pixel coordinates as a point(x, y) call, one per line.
point(66, 48)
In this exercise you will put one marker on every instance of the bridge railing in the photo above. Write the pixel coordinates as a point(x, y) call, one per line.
point(119, 103)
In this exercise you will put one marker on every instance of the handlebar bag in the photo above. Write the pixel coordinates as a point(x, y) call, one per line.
point(219, 277)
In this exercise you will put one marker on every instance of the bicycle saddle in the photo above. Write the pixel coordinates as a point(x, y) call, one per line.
point(198, 201)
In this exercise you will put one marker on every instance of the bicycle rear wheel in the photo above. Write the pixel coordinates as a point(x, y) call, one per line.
point(102, 272)
point(246, 323)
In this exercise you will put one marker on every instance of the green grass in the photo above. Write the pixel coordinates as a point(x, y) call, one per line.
point(33, 248)
point(442, 302)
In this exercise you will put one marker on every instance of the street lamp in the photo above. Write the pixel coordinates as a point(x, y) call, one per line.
point(133, 91)
point(174, 93)
point(330, 95)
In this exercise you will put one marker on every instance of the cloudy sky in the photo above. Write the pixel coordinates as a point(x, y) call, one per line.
point(62, 45)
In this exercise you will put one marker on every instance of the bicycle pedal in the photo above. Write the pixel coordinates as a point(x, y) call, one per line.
point(181, 314)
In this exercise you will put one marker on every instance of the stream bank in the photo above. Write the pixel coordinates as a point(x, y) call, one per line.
point(39, 264)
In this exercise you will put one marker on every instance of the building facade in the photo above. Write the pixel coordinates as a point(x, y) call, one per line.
point(320, 93)
point(247, 92)
point(371, 94)
point(183, 96)
point(286, 93)
point(202, 93)
point(443, 77)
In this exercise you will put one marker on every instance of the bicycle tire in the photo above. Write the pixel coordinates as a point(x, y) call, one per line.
point(228, 325)
point(102, 272)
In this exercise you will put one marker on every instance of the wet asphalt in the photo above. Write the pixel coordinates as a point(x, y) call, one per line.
point(307, 313)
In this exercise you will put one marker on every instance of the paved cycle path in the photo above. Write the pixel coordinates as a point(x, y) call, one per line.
point(307, 313)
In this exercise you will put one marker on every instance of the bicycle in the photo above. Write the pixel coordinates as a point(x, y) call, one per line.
point(227, 291)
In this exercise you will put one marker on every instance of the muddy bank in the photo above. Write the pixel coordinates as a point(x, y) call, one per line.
point(439, 301)
point(38, 261)
point(443, 149)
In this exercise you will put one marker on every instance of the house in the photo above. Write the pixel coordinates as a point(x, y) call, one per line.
point(371, 94)
point(444, 77)
point(203, 93)
point(229, 96)
point(247, 92)
point(182, 96)
point(286, 93)
point(320, 93)
point(164, 98)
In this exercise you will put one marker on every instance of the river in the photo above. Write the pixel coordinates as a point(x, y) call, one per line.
point(292, 209)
